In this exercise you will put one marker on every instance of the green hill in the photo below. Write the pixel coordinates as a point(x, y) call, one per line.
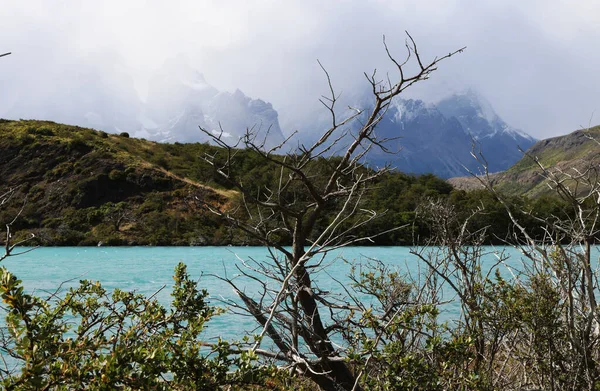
point(82, 187)
point(578, 150)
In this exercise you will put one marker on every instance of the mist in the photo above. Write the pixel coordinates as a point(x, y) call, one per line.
point(535, 62)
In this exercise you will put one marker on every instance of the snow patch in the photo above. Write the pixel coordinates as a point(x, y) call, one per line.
point(519, 132)
point(408, 110)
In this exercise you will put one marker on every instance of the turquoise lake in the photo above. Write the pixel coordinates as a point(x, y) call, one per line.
point(147, 269)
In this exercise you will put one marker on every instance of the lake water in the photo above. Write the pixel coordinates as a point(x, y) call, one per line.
point(147, 269)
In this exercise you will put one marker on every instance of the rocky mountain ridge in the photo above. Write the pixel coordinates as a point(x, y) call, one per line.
point(431, 137)
point(439, 138)
point(180, 101)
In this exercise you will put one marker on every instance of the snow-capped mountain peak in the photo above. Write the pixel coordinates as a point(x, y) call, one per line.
point(180, 99)
point(477, 116)
point(481, 105)
point(438, 137)
point(408, 109)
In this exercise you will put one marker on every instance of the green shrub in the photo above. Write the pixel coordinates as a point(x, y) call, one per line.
point(116, 175)
point(36, 192)
point(90, 338)
point(77, 145)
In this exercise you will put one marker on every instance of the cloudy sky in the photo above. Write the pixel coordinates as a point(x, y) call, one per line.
point(536, 61)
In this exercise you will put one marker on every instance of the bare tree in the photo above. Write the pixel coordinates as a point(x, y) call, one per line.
point(458, 263)
point(118, 215)
point(561, 273)
point(300, 319)
point(9, 245)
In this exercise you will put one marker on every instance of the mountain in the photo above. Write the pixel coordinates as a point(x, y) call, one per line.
point(180, 100)
point(499, 141)
point(572, 154)
point(428, 141)
point(438, 138)
point(433, 138)
point(98, 91)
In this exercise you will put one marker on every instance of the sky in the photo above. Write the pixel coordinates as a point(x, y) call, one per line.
point(536, 61)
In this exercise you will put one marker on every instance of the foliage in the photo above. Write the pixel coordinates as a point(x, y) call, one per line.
point(90, 338)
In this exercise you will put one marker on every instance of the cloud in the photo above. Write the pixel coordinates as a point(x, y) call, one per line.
point(535, 61)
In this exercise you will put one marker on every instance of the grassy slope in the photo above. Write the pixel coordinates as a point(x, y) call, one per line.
point(79, 181)
point(574, 150)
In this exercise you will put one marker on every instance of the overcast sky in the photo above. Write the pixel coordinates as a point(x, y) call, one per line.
point(536, 61)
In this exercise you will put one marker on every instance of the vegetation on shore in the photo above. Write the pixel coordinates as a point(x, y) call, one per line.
point(84, 187)
point(512, 334)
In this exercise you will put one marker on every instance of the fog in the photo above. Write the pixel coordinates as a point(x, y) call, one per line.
point(536, 62)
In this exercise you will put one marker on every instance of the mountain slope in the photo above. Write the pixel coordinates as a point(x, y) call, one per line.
point(428, 142)
point(498, 141)
point(438, 138)
point(83, 187)
point(572, 153)
point(180, 100)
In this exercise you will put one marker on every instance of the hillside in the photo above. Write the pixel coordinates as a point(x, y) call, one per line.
point(84, 187)
point(574, 151)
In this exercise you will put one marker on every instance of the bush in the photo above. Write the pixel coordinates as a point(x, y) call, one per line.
point(90, 338)
point(116, 175)
point(124, 134)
